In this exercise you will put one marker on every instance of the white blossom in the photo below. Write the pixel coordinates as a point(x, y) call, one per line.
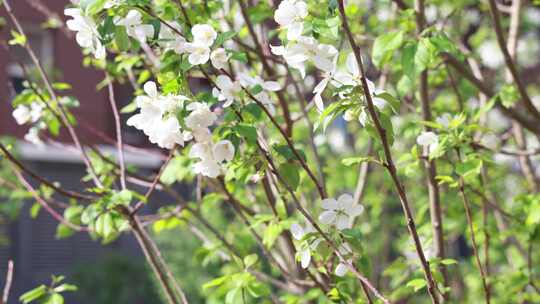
point(203, 37)
point(227, 90)
point(305, 250)
point(428, 139)
point(134, 26)
point(211, 157)
point(87, 34)
point(340, 212)
point(219, 58)
point(290, 15)
point(22, 114)
point(157, 117)
point(201, 116)
point(444, 120)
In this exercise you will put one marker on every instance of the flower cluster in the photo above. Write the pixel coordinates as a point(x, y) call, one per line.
point(211, 155)
point(87, 34)
point(31, 114)
point(157, 117)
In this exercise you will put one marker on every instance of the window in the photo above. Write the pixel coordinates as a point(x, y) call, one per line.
point(41, 42)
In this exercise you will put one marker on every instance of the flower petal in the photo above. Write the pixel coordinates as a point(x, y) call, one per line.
point(327, 217)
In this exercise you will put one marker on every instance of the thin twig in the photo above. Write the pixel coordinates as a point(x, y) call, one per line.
point(118, 126)
point(7, 284)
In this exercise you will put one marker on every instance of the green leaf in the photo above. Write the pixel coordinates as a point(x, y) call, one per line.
point(238, 56)
point(108, 225)
point(356, 160)
point(65, 287)
point(215, 282)
point(425, 54)
point(222, 37)
point(384, 47)
point(250, 260)
point(394, 102)
point(54, 298)
point(63, 231)
point(407, 60)
point(34, 210)
point(290, 174)
point(448, 262)
point(417, 284)
point(469, 167)
point(33, 294)
point(18, 39)
point(121, 38)
point(247, 131)
point(256, 89)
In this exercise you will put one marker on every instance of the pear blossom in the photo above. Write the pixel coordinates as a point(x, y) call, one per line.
point(340, 212)
point(297, 53)
point(290, 15)
point(200, 117)
point(219, 58)
point(249, 81)
point(22, 114)
point(304, 253)
point(87, 34)
point(134, 27)
point(156, 117)
point(428, 139)
point(203, 34)
point(444, 120)
point(226, 90)
point(203, 37)
point(211, 157)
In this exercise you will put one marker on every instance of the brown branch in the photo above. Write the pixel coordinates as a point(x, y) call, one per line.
point(430, 166)
point(118, 126)
point(431, 285)
point(467, 207)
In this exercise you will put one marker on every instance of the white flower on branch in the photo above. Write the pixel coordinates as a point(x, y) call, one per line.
point(87, 34)
point(304, 253)
point(134, 26)
point(340, 212)
point(227, 90)
point(157, 117)
point(428, 139)
point(201, 117)
point(290, 15)
point(211, 156)
point(219, 58)
point(203, 38)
